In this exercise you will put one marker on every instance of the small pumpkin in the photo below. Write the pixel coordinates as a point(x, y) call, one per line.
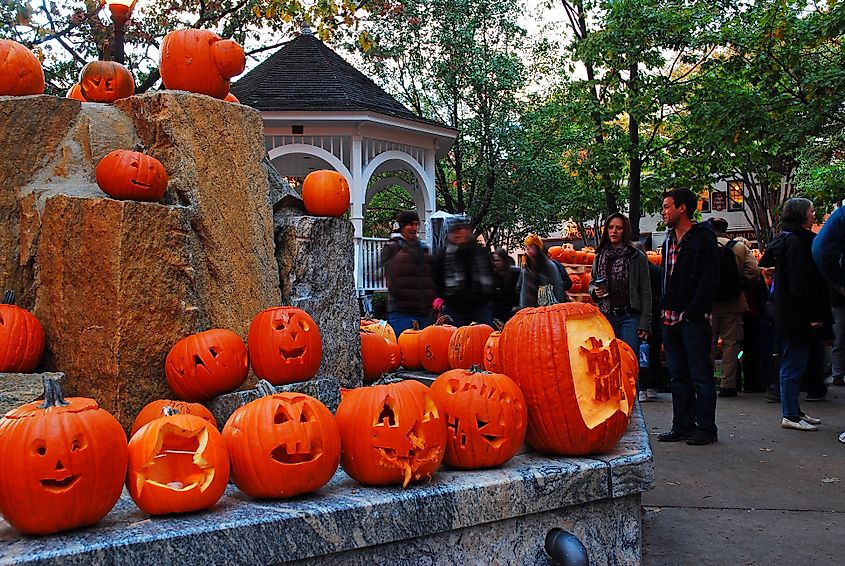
point(409, 346)
point(556, 252)
point(75, 93)
point(466, 346)
point(64, 462)
point(177, 463)
point(325, 193)
point(20, 70)
point(390, 433)
point(124, 174)
point(153, 410)
point(492, 358)
point(282, 444)
point(231, 98)
point(21, 337)
point(207, 364)
point(434, 345)
point(198, 60)
point(285, 345)
point(105, 81)
point(375, 355)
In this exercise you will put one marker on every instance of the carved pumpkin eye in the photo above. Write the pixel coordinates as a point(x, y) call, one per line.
point(39, 447)
point(79, 443)
point(134, 164)
point(303, 324)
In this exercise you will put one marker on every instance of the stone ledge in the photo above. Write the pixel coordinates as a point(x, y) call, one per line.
point(18, 389)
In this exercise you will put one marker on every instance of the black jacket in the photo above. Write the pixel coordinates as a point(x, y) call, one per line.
point(691, 288)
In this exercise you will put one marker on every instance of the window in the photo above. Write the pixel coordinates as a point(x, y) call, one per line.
point(736, 197)
point(704, 201)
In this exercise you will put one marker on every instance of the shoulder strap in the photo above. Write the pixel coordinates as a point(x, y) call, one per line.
point(730, 244)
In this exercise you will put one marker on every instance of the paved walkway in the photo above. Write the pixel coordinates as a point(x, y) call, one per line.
point(761, 495)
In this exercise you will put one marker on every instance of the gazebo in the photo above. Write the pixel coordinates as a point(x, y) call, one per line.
point(320, 112)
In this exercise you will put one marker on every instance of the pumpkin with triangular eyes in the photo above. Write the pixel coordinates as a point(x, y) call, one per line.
point(64, 462)
point(285, 345)
point(207, 364)
point(124, 174)
point(282, 444)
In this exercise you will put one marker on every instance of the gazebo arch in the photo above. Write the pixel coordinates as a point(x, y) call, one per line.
point(316, 152)
point(415, 166)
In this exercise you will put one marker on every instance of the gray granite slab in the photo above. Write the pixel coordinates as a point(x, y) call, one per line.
point(18, 389)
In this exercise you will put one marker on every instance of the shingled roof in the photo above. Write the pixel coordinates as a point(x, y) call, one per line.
point(306, 75)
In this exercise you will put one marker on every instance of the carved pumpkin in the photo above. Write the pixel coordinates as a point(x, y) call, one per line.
point(131, 175)
point(492, 358)
point(586, 277)
point(409, 347)
point(380, 327)
point(177, 463)
point(434, 345)
point(325, 193)
point(569, 255)
point(204, 365)
point(390, 434)
point(579, 381)
point(153, 410)
point(231, 98)
point(485, 417)
point(375, 355)
point(466, 346)
point(105, 81)
point(197, 60)
point(284, 345)
point(64, 462)
point(21, 337)
point(282, 444)
point(556, 252)
point(576, 283)
point(75, 93)
point(20, 71)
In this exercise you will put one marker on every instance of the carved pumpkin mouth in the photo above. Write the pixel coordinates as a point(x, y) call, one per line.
point(58, 486)
point(292, 353)
point(139, 183)
point(177, 463)
point(282, 455)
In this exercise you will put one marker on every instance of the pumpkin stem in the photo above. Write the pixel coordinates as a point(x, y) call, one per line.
point(8, 298)
point(546, 296)
point(265, 388)
point(52, 393)
point(169, 411)
point(475, 368)
point(415, 324)
point(498, 324)
point(140, 148)
point(442, 319)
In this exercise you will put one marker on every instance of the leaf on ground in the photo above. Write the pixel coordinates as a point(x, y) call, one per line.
point(673, 483)
point(766, 449)
point(830, 480)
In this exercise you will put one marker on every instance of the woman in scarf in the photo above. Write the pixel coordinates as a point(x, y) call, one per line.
point(540, 271)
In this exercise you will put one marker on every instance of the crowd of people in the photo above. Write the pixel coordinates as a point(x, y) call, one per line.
point(707, 299)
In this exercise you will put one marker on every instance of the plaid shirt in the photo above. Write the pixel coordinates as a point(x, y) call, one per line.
point(672, 246)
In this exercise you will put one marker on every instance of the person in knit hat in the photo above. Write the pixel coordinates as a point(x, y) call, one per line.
point(540, 270)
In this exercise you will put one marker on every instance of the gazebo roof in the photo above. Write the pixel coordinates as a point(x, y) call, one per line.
point(306, 75)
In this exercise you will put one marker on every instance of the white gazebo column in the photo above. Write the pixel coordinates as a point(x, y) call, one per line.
point(358, 192)
point(428, 189)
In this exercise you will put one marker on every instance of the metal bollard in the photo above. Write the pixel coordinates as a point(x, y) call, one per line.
point(566, 549)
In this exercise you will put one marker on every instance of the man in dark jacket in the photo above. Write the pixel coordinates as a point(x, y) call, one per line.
point(464, 275)
point(690, 277)
point(409, 270)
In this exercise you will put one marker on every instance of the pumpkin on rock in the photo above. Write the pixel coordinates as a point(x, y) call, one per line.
point(434, 345)
point(409, 347)
point(325, 193)
point(124, 174)
point(105, 81)
point(285, 345)
point(375, 355)
point(21, 337)
point(204, 365)
point(198, 60)
point(20, 71)
point(492, 360)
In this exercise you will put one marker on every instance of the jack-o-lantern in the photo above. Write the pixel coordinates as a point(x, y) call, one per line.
point(390, 434)
point(579, 381)
point(380, 327)
point(64, 462)
point(284, 345)
point(131, 175)
point(556, 252)
point(282, 444)
point(434, 345)
point(409, 347)
point(198, 60)
point(204, 365)
point(485, 417)
point(466, 346)
point(492, 359)
point(576, 283)
point(153, 410)
point(375, 355)
point(20, 71)
point(177, 463)
point(21, 337)
point(75, 93)
point(325, 193)
point(105, 81)
point(569, 254)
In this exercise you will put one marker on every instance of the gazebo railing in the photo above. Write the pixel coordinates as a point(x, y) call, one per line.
point(370, 273)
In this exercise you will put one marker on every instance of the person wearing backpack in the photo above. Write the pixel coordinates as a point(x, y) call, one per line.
point(737, 269)
point(540, 270)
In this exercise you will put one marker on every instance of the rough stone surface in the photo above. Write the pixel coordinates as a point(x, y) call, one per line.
point(18, 389)
point(314, 256)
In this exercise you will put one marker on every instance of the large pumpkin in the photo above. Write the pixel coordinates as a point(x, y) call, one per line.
point(579, 381)
point(492, 358)
point(153, 410)
point(21, 337)
point(375, 355)
point(434, 345)
point(282, 444)
point(466, 346)
point(20, 71)
point(325, 193)
point(105, 81)
point(485, 417)
point(204, 365)
point(177, 463)
point(64, 462)
point(409, 347)
point(390, 434)
point(284, 345)
point(197, 60)
point(131, 175)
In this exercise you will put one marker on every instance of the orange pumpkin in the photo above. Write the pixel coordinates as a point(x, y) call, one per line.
point(285, 345)
point(198, 60)
point(375, 355)
point(466, 346)
point(390, 434)
point(131, 175)
point(21, 337)
point(232, 98)
point(75, 93)
point(576, 283)
point(492, 360)
point(380, 327)
point(282, 444)
point(325, 193)
point(579, 381)
point(177, 463)
point(569, 255)
point(409, 346)
point(204, 365)
point(586, 278)
point(434, 345)
point(105, 81)
point(556, 252)
point(64, 462)
point(153, 410)
point(20, 71)
point(485, 414)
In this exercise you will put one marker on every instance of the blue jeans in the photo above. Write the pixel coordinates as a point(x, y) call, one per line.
point(481, 315)
point(401, 321)
point(793, 362)
point(687, 347)
point(625, 328)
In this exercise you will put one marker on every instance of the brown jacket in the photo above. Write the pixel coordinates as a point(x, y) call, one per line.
point(409, 271)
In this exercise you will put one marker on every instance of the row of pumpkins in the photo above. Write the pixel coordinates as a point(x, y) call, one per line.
point(192, 60)
point(569, 255)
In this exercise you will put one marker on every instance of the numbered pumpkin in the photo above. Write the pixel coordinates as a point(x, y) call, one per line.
point(198, 60)
point(105, 81)
point(282, 444)
point(409, 347)
point(485, 414)
point(20, 71)
point(284, 345)
point(466, 346)
point(64, 463)
point(434, 345)
point(202, 366)
point(492, 359)
point(131, 175)
point(325, 193)
point(390, 434)
point(21, 337)
point(153, 410)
